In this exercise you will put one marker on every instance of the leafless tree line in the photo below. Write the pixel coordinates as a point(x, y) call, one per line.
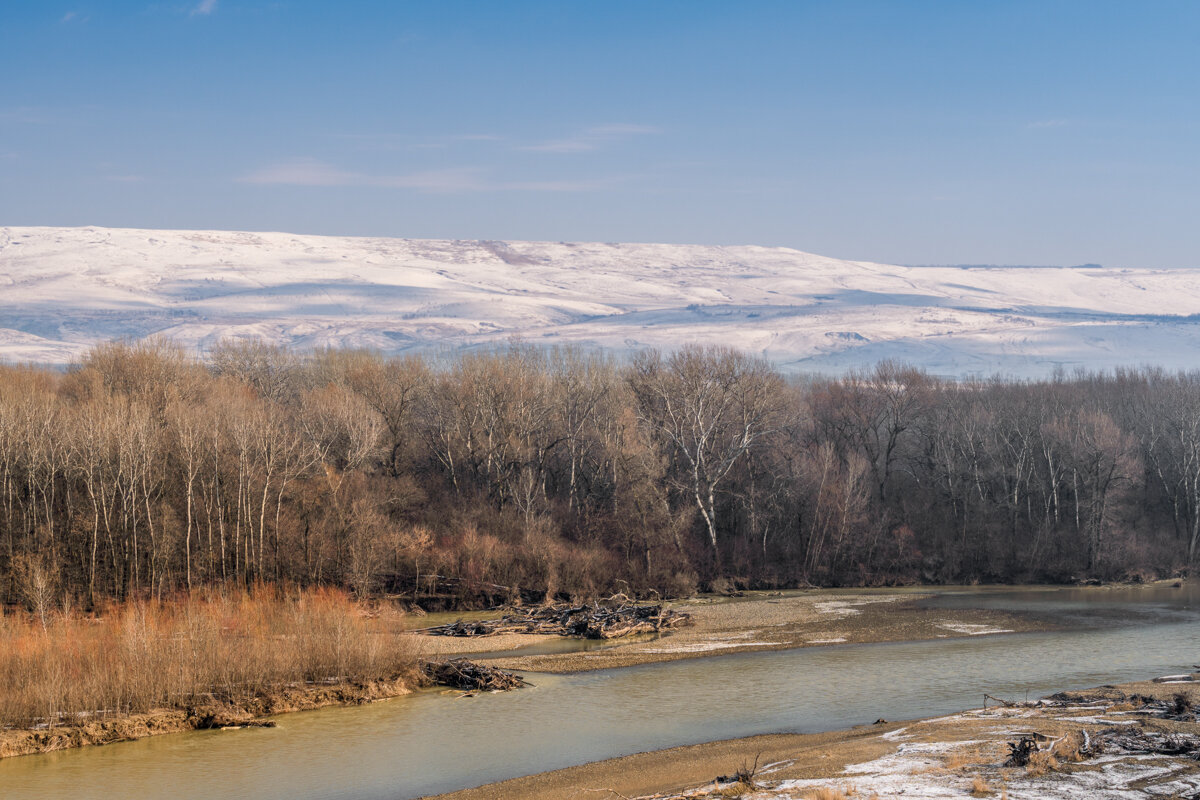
point(143, 471)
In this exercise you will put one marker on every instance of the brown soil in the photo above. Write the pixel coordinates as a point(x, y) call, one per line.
point(250, 711)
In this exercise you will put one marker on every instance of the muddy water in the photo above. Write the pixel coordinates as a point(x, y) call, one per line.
point(433, 742)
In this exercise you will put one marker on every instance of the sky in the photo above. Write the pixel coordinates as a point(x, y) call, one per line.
point(911, 132)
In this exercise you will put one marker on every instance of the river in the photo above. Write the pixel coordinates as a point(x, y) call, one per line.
point(434, 742)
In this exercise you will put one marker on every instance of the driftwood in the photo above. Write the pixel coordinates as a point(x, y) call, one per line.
point(1020, 751)
point(745, 775)
point(1000, 700)
point(459, 673)
point(1128, 739)
point(584, 622)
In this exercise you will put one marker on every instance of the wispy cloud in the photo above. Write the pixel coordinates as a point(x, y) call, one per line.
point(399, 141)
point(592, 138)
point(301, 172)
point(310, 172)
point(1047, 123)
point(24, 116)
point(70, 16)
point(581, 185)
point(204, 8)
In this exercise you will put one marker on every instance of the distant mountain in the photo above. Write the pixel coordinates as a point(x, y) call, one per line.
point(63, 289)
point(1006, 266)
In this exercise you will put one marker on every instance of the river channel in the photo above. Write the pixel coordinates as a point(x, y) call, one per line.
point(434, 742)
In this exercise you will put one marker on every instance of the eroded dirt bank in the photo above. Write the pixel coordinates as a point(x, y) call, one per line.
point(250, 711)
point(1135, 740)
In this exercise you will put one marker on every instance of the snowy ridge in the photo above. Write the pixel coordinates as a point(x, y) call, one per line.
point(63, 289)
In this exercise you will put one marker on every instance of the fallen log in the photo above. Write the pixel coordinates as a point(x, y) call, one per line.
point(1142, 741)
point(459, 673)
point(584, 622)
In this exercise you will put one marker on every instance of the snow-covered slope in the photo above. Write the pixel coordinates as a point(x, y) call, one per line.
point(62, 289)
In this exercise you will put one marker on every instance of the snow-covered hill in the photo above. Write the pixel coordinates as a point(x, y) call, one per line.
point(62, 289)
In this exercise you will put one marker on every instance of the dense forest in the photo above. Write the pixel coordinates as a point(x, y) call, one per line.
point(530, 472)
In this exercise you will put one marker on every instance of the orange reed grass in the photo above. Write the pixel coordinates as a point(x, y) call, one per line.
point(221, 646)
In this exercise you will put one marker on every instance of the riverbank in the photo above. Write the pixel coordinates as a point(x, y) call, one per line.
point(759, 621)
point(216, 660)
point(164, 665)
point(1094, 744)
point(245, 712)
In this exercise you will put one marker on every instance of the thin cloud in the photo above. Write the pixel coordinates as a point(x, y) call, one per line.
point(593, 185)
point(24, 116)
point(69, 16)
point(462, 179)
point(398, 141)
point(310, 172)
point(1047, 123)
point(204, 8)
point(302, 172)
point(592, 138)
point(441, 144)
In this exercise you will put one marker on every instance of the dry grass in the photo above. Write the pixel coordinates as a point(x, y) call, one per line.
point(1041, 762)
point(847, 792)
point(828, 793)
point(979, 787)
point(222, 646)
point(1068, 748)
point(955, 761)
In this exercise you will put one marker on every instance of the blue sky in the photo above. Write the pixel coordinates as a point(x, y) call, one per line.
point(911, 132)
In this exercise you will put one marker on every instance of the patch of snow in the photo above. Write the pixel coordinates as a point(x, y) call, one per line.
point(912, 772)
point(701, 647)
point(848, 608)
point(972, 628)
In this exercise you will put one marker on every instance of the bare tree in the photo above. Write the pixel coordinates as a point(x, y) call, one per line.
point(709, 407)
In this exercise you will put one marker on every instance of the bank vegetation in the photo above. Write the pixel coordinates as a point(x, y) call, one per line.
point(524, 473)
point(211, 659)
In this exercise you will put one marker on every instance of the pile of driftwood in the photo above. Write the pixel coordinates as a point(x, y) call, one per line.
point(471, 676)
point(585, 622)
point(1143, 741)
